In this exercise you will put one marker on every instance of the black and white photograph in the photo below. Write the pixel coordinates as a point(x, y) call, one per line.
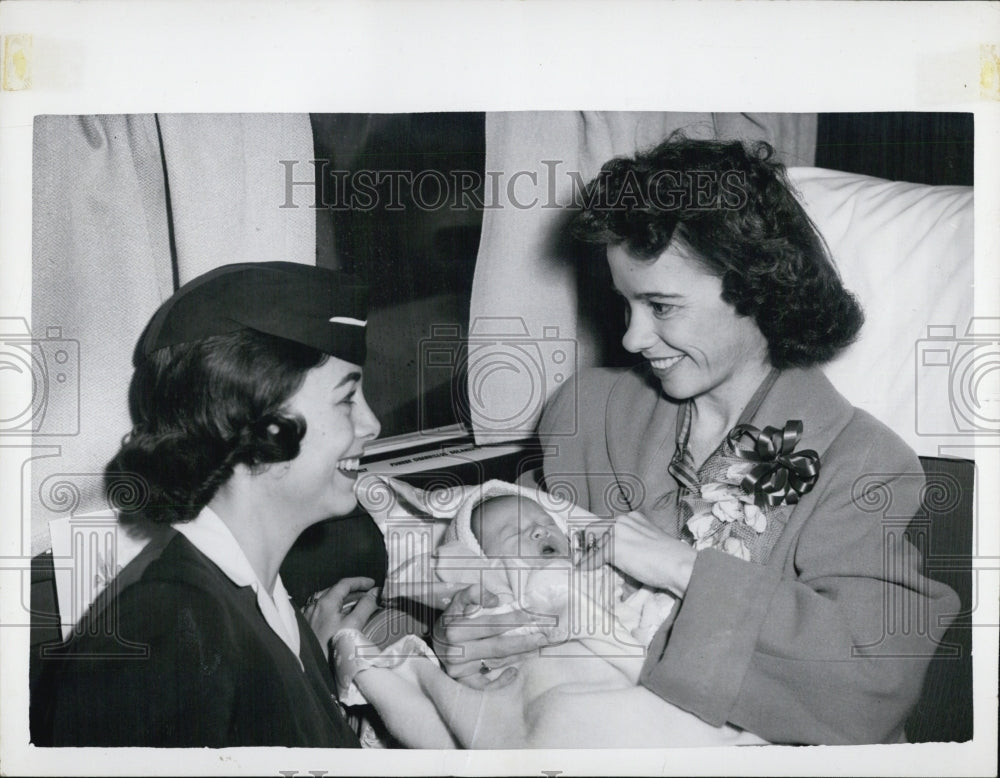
point(579, 440)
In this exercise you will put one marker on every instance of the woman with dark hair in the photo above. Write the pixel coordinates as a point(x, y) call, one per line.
point(248, 422)
point(739, 479)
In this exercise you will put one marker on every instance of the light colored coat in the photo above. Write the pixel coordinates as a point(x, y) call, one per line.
point(829, 640)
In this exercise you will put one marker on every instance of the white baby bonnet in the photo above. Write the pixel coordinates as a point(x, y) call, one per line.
point(460, 529)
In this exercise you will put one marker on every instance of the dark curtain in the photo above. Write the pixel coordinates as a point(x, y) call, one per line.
point(923, 148)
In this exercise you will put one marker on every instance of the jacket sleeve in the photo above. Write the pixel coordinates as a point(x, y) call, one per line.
point(155, 677)
point(835, 648)
point(571, 432)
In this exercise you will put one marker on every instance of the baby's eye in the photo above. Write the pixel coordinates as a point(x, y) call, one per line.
point(538, 534)
point(548, 551)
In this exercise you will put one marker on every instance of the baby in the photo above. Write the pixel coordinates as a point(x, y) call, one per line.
point(527, 558)
point(512, 526)
point(531, 560)
point(516, 543)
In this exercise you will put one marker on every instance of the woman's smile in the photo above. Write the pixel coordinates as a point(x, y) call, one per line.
point(696, 343)
point(349, 467)
point(664, 363)
point(338, 425)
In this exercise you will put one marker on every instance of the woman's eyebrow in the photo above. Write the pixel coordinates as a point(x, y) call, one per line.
point(649, 295)
point(355, 376)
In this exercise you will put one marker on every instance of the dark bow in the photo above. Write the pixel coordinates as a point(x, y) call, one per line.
point(781, 475)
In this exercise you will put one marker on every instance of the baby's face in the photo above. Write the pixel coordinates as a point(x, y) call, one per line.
point(518, 527)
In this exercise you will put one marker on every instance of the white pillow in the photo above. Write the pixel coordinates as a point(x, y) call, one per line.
point(906, 251)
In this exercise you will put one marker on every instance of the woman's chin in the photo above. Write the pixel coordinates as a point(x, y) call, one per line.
point(674, 389)
point(340, 503)
point(672, 380)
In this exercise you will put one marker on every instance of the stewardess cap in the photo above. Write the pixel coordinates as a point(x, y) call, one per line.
point(314, 306)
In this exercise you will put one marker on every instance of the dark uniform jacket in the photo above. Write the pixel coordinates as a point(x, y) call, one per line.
point(176, 654)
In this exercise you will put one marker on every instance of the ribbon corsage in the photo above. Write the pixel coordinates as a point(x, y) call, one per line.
point(780, 475)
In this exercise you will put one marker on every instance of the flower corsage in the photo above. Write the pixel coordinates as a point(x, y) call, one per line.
point(729, 513)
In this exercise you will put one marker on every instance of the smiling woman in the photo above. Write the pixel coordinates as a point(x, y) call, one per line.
point(752, 509)
point(320, 481)
point(248, 424)
point(696, 344)
point(754, 523)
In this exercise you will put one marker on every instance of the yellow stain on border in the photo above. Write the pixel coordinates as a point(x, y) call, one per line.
point(16, 62)
point(989, 72)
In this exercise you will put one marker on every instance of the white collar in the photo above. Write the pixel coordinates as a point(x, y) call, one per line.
point(210, 535)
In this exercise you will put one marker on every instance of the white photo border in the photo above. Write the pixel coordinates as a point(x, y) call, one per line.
point(114, 56)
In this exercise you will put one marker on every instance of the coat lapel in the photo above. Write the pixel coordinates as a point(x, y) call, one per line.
point(806, 395)
point(640, 424)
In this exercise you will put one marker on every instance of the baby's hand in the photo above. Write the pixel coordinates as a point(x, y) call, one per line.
point(348, 604)
point(352, 653)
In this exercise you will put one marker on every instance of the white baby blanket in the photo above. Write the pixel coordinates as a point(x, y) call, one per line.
point(433, 554)
point(602, 618)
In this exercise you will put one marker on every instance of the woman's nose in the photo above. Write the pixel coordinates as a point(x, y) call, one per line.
point(366, 425)
point(638, 335)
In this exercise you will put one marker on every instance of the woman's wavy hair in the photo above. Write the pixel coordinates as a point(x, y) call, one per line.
point(200, 409)
point(733, 206)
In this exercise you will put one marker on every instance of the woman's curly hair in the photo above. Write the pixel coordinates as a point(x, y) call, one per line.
point(733, 206)
point(198, 410)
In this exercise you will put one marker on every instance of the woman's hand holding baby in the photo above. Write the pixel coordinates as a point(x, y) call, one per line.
point(466, 645)
point(341, 607)
point(647, 553)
